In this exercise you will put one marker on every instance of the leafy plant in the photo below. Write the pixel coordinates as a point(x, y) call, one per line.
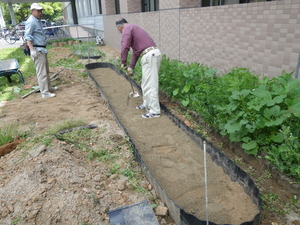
point(285, 156)
point(252, 111)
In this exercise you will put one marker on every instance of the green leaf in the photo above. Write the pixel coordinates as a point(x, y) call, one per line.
point(175, 92)
point(278, 138)
point(250, 147)
point(185, 102)
point(186, 88)
point(295, 109)
point(232, 127)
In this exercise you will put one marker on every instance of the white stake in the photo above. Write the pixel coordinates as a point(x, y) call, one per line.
point(205, 180)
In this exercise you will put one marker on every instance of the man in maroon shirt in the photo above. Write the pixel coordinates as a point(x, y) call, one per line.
point(142, 45)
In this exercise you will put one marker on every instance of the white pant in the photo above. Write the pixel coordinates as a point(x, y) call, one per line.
point(150, 68)
point(42, 71)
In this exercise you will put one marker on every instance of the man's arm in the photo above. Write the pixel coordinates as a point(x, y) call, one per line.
point(125, 45)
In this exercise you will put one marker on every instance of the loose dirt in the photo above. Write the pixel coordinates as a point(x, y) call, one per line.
point(57, 184)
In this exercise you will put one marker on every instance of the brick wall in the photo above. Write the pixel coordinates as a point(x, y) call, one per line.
point(264, 36)
point(108, 7)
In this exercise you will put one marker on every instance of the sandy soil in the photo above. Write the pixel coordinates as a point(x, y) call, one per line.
point(175, 160)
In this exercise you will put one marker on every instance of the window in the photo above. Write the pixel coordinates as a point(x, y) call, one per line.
point(149, 5)
point(205, 3)
point(96, 7)
point(117, 5)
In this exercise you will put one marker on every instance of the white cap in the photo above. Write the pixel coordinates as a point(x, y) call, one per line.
point(36, 6)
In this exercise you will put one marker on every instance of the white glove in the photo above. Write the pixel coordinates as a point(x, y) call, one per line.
point(123, 66)
point(129, 71)
point(33, 53)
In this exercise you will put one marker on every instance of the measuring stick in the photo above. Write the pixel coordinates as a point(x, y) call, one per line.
point(205, 180)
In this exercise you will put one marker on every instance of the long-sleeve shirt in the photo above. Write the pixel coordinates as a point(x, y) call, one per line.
point(136, 38)
point(34, 32)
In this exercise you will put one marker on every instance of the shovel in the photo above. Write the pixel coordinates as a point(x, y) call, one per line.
point(133, 94)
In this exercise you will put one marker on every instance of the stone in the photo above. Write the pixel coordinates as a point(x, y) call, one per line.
point(161, 211)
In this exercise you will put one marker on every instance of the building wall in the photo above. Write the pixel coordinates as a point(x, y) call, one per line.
point(262, 36)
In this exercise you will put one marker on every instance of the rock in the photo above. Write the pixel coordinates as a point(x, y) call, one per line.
point(97, 178)
point(113, 176)
point(34, 152)
point(122, 184)
point(51, 180)
point(161, 211)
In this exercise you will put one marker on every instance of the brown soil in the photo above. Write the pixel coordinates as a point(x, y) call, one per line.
point(59, 185)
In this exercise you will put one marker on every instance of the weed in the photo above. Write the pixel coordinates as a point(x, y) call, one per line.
point(16, 220)
point(272, 203)
point(9, 132)
point(87, 49)
point(114, 169)
point(102, 155)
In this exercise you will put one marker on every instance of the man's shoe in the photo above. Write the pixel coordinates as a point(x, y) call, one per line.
point(53, 89)
point(140, 107)
point(150, 115)
point(48, 95)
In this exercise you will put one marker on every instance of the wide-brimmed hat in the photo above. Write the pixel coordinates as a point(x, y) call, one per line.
point(36, 6)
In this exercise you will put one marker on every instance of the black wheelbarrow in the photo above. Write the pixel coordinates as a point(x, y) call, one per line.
point(8, 67)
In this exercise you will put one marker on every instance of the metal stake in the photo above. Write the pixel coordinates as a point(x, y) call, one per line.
point(205, 180)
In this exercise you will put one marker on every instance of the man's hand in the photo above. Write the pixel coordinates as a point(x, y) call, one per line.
point(33, 53)
point(129, 71)
point(123, 66)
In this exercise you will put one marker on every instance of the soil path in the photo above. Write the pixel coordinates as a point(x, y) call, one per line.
point(175, 160)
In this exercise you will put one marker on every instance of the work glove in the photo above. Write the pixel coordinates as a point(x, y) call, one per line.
point(129, 71)
point(123, 66)
point(33, 53)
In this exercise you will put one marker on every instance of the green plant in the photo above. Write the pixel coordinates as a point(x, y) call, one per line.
point(16, 220)
point(87, 49)
point(9, 132)
point(285, 156)
point(102, 155)
point(71, 63)
point(272, 203)
point(66, 124)
point(25, 65)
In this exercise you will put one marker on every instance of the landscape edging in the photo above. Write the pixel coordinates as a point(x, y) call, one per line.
point(235, 173)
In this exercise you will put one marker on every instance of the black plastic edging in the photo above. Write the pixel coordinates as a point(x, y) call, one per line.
point(235, 173)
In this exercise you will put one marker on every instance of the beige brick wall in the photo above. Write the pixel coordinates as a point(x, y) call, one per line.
point(263, 36)
point(108, 7)
point(134, 6)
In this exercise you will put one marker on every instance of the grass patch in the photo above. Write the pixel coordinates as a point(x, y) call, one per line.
point(9, 132)
point(87, 49)
point(25, 65)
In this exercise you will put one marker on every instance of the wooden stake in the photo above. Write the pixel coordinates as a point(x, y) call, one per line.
point(52, 78)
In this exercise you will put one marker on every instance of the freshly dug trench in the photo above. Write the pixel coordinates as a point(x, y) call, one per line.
point(175, 160)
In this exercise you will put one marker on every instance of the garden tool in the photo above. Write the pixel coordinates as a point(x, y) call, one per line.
point(133, 94)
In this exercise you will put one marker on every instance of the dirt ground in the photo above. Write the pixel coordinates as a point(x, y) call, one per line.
point(58, 184)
